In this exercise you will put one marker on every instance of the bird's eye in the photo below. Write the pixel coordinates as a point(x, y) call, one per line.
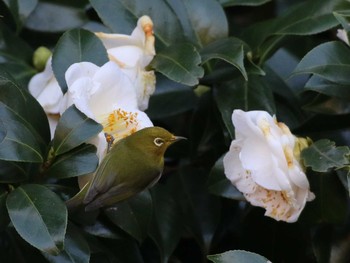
point(158, 141)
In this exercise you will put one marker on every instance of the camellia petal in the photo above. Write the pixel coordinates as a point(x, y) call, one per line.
point(263, 164)
point(132, 54)
point(45, 88)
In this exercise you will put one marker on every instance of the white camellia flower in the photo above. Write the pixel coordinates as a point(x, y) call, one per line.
point(45, 88)
point(133, 53)
point(104, 94)
point(263, 163)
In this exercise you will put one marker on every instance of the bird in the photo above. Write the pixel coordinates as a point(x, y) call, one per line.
point(133, 164)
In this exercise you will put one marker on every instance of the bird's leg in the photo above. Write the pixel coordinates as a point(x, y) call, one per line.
point(110, 140)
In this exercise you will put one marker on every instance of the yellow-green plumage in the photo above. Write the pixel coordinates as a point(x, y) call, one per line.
point(133, 164)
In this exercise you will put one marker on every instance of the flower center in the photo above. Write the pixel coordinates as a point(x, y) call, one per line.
point(120, 123)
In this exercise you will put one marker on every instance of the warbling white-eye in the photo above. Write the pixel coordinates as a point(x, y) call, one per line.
point(133, 164)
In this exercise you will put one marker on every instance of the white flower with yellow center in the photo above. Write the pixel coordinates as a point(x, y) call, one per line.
point(133, 53)
point(104, 94)
point(263, 163)
point(45, 88)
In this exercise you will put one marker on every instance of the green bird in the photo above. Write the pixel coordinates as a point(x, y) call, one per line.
point(133, 164)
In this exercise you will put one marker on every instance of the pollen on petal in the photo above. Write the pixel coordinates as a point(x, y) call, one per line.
point(120, 123)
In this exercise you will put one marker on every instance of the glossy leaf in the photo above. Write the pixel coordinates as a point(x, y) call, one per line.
point(80, 161)
point(201, 210)
point(207, 19)
point(27, 131)
point(166, 226)
point(324, 155)
point(13, 48)
point(310, 17)
point(330, 60)
point(180, 63)
point(74, 46)
point(170, 98)
point(12, 172)
point(323, 86)
point(45, 18)
point(328, 105)
point(218, 183)
point(73, 129)
point(133, 215)
point(238, 256)
point(341, 17)
point(76, 248)
point(254, 94)
point(243, 2)
point(21, 9)
point(330, 204)
point(30, 208)
point(230, 50)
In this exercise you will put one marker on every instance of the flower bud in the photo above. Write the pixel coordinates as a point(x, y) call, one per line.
point(40, 57)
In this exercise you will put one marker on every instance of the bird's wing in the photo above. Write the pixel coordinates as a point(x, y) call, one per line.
point(102, 181)
point(114, 195)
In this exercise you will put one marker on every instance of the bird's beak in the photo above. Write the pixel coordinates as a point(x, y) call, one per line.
point(177, 138)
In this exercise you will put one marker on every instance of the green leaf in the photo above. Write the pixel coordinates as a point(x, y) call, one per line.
point(254, 94)
point(166, 226)
point(218, 183)
point(330, 204)
point(230, 50)
point(238, 256)
point(76, 248)
point(13, 172)
point(170, 98)
point(341, 17)
point(27, 129)
point(328, 105)
point(21, 9)
point(207, 19)
point(79, 161)
point(201, 210)
point(330, 60)
point(310, 17)
point(243, 2)
point(30, 208)
point(76, 45)
point(323, 86)
point(179, 62)
point(45, 17)
point(13, 48)
point(73, 129)
point(324, 155)
point(133, 215)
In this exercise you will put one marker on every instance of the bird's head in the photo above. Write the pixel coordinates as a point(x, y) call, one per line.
point(154, 139)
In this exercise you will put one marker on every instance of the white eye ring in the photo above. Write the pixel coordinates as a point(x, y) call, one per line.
point(158, 141)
